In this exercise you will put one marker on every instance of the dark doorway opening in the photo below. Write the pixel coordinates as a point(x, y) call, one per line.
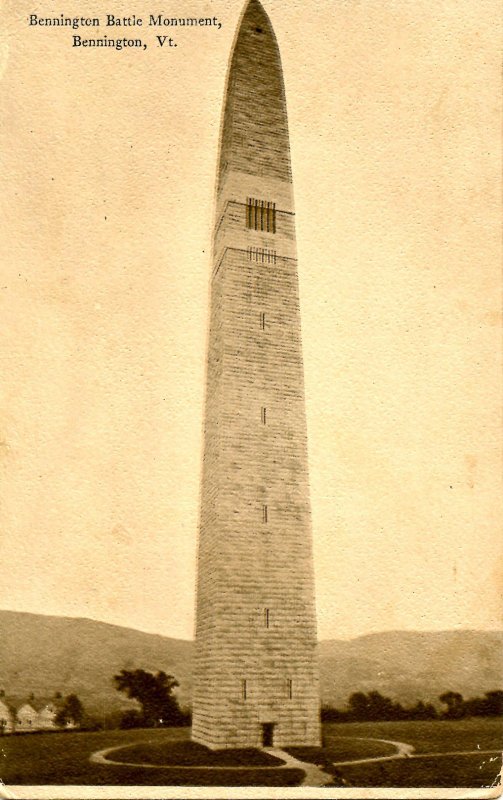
point(267, 734)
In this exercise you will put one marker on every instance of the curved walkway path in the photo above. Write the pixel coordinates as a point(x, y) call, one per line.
point(314, 776)
point(495, 753)
point(402, 750)
point(101, 757)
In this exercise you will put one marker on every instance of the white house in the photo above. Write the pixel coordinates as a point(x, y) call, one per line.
point(47, 716)
point(32, 715)
point(6, 717)
point(27, 718)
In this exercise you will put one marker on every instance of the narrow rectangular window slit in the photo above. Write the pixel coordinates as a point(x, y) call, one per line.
point(243, 689)
point(261, 215)
point(267, 617)
point(289, 688)
point(264, 513)
point(262, 321)
point(263, 415)
point(261, 255)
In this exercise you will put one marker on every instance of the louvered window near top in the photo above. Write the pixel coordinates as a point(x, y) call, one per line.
point(261, 215)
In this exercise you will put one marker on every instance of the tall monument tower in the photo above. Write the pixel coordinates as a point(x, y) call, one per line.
point(256, 681)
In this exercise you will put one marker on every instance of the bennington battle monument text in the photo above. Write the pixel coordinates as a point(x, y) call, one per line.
point(256, 681)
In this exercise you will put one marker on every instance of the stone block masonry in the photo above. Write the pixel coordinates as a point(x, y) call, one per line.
point(256, 681)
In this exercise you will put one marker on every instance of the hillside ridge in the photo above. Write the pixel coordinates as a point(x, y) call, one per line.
point(42, 654)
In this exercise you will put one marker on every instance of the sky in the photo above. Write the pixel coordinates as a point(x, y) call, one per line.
point(109, 161)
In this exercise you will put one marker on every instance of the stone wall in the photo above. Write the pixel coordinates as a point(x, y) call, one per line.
point(256, 627)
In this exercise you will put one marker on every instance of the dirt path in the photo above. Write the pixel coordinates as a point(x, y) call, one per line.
point(314, 776)
point(495, 753)
point(403, 750)
point(101, 756)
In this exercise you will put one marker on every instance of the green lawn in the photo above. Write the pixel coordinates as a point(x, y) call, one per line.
point(436, 736)
point(342, 748)
point(460, 771)
point(192, 754)
point(431, 736)
point(63, 758)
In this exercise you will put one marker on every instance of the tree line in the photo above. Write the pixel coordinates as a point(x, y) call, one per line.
point(159, 707)
point(70, 710)
point(373, 706)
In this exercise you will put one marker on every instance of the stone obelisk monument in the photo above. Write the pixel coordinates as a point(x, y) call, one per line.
point(256, 679)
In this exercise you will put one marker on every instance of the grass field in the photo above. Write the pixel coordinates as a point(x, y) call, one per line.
point(477, 770)
point(428, 736)
point(191, 754)
point(63, 758)
point(342, 748)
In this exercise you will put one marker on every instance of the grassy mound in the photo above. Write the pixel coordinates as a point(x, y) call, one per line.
point(191, 754)
point(63, 758)
point(341, 749)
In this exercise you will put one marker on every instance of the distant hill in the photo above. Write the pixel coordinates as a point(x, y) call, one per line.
point(412, 665)
point(43, 654)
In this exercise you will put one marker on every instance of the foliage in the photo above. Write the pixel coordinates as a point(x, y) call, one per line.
point(186, 717)
point(491, 705)
point(454, 703)
point(421, 711)
point(374, 706)
point(154, 693)
point(71, 711)
point(131, 719)
point(329, 714)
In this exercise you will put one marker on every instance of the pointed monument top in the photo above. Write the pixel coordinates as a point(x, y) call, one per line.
point(255, 20)
point(254, 7)
point(254, 137)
